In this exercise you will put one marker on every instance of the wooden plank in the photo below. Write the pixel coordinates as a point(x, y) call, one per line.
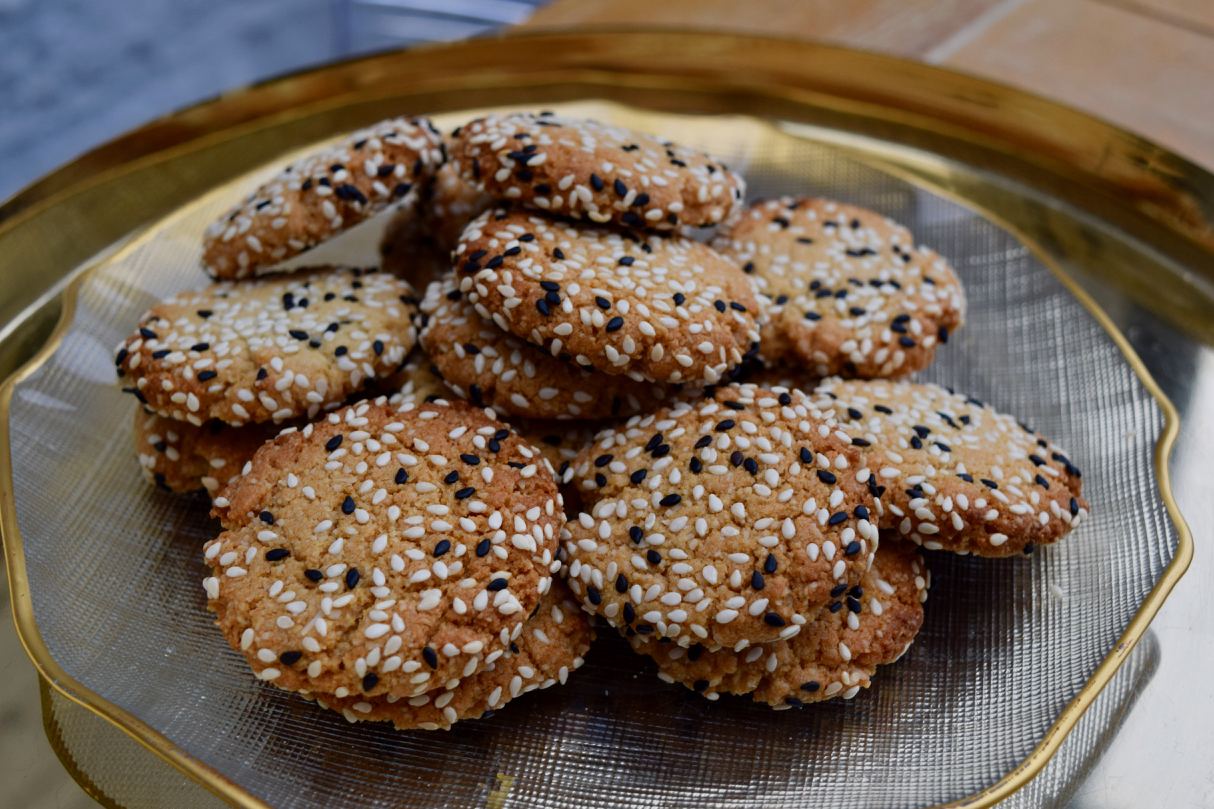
point(1142, 74)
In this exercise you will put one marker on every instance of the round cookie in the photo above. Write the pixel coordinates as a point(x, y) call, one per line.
point(836, 655)
point(655, 308)
point(181, 457)
point(271, 348)
point(579, 168)
point(551, 645)
point(384, 550)
point(493, 368)
point(956, 473)
point(731, 518)
point(322, 195)
point(847, 291)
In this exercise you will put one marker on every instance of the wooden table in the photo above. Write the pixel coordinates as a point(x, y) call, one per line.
point(1145, 65)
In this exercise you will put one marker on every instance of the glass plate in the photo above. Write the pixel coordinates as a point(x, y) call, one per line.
point(115, 569)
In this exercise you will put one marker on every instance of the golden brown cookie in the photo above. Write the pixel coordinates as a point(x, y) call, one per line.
point(868, 625)
point(271, 348)
point(655, 308)
point(181, 457)
point(729, 519)
point(848, 292)
point(953, 472)
point(551, 645)
point(580, 168)
point(385, 550)
point(493, 368)
point(322, 195)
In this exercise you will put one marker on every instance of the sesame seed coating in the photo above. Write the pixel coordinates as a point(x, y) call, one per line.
point(666, 309)
point(323, 195)
point(836, 655)
point(268, 349)
point(383, 513)
point(728, 519)
point(847, 292)
point(493, 368)
point(601, 173)
point(955, 473)
point(181, 457)
point(551, 644)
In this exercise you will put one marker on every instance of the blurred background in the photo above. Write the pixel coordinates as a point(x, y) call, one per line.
point(74, 73)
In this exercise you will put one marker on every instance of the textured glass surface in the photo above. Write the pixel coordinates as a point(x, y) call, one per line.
point(115, 570)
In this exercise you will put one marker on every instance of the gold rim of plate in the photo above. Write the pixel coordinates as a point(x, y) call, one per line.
point(1157, 197)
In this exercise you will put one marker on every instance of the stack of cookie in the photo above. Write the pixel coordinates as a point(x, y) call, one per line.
point(396, 545)
point(574, 298)
point(220, 370)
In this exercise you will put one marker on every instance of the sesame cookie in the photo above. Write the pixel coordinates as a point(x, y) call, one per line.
point(732, 517)
point(551, 645)
point(579, 168)
point(957, 474)
point(870, 624)
point(493, 368)
point(848, 293)
point(322, 195)
point(181, 457)
point(270, 348)
point(383, 549)
point(667, 309)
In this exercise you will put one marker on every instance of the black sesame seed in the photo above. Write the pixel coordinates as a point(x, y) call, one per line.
point(313, 575)
point(727, 424)
point(347, 505)
point(352, 577)
point(736, 458)
point(596, 182)
point(266, 517)
point(602, 302)
point(751, 466)
point(482, 547)
point(703, 442)
point(277, 554)
point(852, 548)
point(756, 580)
point(289, 658)
point(497, 584)
point(602, 460)
point(653, 557)
point(333, 443)
point(451, 477)
point(431, 656)
point(861, 513)
point(626, 261)
point(990, 484)
point(615, 324)
point(827, 477)
point(769, 565)
point(621, 584)
point(671, 500)
point(465, 493)
point(806, 456)
point(600, 479)
point(441, 548)
point(853, 605)
point(638, 476)
point(700, 685)
point(837, 517)
point(811, 687)
point(592, 593)
point(1042, 482)
point(771, 619)
point(635, 533)
point(720, 305)
point(695, 466)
